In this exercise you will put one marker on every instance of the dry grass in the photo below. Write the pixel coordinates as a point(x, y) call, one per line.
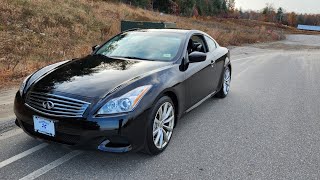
point(34, 33)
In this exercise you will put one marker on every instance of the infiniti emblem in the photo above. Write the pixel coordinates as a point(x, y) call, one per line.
point(47, 104)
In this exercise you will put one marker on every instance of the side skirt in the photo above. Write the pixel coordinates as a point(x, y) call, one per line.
point(200, 102)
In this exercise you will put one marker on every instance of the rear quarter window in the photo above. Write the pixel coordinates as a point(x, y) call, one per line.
point(211, 44)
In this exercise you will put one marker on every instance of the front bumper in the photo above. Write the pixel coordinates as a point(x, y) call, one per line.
point(122, 132)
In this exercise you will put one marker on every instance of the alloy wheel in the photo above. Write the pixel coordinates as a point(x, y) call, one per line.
point(163, 125)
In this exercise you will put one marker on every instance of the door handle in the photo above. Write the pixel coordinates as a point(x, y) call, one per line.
point(212, 62)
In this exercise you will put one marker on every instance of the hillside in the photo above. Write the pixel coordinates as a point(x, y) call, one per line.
point(34, 33)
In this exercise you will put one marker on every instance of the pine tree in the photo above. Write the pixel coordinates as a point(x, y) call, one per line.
point(280, 14)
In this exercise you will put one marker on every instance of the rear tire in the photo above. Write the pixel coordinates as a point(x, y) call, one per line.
point(160, 127)
point(225, 87)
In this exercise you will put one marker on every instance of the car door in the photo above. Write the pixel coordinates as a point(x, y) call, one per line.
point(199, 75)
point(217, 62)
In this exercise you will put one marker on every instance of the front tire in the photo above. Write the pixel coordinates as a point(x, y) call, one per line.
point(225, 88)
point(160, 126)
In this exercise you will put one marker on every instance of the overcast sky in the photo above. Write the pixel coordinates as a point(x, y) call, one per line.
point(300, 6)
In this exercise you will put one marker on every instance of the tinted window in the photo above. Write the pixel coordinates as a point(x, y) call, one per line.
point(212, 45)
point(143, 45)
point(196, 43)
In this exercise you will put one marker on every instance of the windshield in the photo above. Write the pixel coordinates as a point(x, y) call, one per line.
point(143, 45)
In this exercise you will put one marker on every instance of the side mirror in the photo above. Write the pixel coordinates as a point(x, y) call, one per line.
point(197, 57)
point(95, 47)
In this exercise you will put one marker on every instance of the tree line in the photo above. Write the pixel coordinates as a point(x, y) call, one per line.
point(185, 7)
point(279, 15)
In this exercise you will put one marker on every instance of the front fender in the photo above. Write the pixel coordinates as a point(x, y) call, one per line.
point(163, 81)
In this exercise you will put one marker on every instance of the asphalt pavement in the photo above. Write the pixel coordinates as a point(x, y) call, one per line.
point(267, 128)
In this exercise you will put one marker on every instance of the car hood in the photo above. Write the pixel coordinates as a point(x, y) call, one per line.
point(95, 75)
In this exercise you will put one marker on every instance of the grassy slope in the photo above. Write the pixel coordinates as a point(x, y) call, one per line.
point(34, 33)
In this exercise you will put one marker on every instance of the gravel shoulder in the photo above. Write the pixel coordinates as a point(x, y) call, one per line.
point(6, 109)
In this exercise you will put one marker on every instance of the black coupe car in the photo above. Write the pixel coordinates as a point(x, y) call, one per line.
point(129, 94)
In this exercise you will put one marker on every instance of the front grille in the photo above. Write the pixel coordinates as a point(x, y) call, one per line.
point(60, 106)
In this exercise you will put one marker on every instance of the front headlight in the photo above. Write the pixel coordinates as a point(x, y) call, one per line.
point(23, 85)
point(126, 102)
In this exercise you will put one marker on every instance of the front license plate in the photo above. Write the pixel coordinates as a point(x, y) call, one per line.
point(44, 126)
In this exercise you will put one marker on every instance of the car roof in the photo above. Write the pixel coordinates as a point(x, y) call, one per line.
point(180, 31)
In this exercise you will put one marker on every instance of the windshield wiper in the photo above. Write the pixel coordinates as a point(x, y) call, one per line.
point(131, 57)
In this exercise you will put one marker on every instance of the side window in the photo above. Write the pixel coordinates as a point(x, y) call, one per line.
point(196, 43)
point(212, 45)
